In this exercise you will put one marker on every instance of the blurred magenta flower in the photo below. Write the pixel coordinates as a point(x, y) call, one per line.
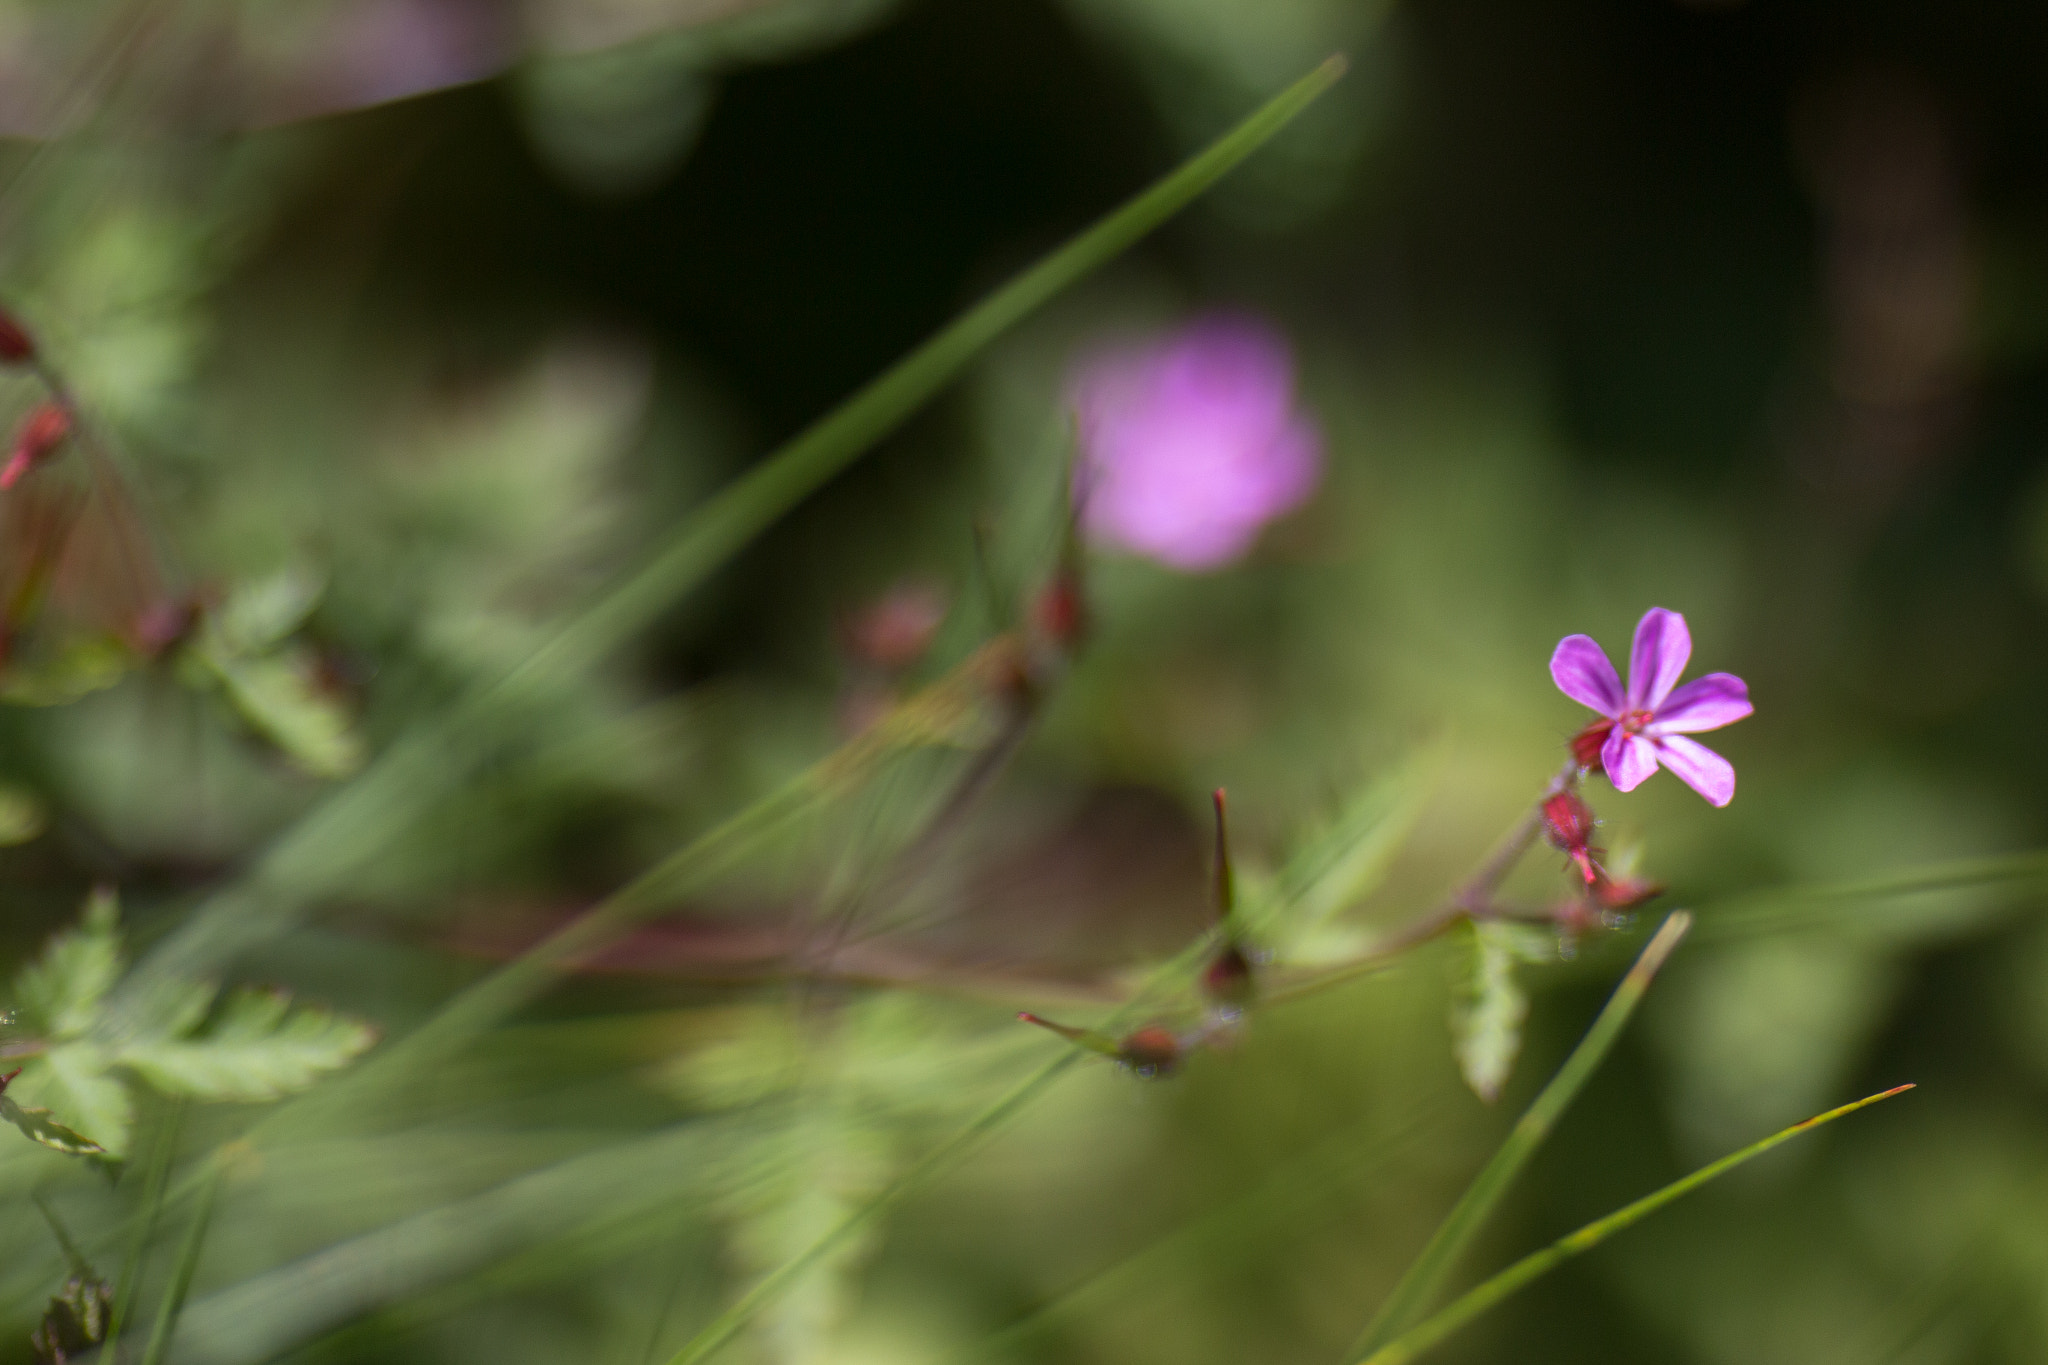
point(1647, 724)
point(1192, 442)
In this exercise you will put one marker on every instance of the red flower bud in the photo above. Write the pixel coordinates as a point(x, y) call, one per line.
point(1587, 744)
point(42, 431)
point(15, 345)
point(1568, 821)
point(1228, 977)
point(1152, 1052)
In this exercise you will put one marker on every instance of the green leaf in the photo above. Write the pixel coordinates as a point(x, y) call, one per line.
point(73, 1085)
point(61, 992)
point(333, 842)
point(260, 615)
point(280, 697)
point(39, 1126)
point(259, 1049)
point(81, 667)
point(22, 816)
point(1486, 1022)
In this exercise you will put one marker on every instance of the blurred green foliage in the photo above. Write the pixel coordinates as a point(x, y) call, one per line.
point(1734, 308)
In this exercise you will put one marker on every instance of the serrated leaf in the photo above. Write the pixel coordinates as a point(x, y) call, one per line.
point(40, 1127)
point(259, 1049)
point(61, 991)
point(75, 1320)
point(280, 698)
point(73, 1084)
point(1486, 1023)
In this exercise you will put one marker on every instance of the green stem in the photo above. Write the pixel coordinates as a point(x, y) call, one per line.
point(1422, 1279)
point(73, 1257)
point(181, 1273)
point(1485, 1295)
point(129, 1285)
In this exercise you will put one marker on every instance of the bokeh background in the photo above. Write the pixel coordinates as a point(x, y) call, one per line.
point(437, 314)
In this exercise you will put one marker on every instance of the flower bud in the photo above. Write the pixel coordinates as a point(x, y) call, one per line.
point(1228, 977)
point(1587, 744)
point(1568, 822)
point(42, 431)
point(1153, 1052)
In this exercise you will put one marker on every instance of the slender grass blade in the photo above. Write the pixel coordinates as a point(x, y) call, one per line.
point(1477, 1300)
point(1439, 1256)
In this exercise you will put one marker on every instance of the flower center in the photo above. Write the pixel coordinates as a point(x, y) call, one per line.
point(1632, 722)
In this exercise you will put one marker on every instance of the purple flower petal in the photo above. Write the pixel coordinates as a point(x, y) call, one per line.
point(1699, 767)
point(1628, 759)
point(1582, 672)
point(1190, 443)
point(1663, 645)
point(1706, 703)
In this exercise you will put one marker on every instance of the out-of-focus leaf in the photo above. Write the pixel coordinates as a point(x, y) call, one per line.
point(63, 988)
point(74, 1083)
point(1345, 861)
point(261, 614)
point(261, 1048)
point(22, 816)
point(78, 669)
point(39, 1126)
point(280, 698)
point(75, 1320)
point(1486, 1023)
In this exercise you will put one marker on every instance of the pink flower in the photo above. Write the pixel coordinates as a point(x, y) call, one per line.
point(1648, 724)
point(1192, 442)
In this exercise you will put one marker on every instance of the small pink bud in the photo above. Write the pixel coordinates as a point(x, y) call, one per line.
point(1568, 822)
point(42, 431)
